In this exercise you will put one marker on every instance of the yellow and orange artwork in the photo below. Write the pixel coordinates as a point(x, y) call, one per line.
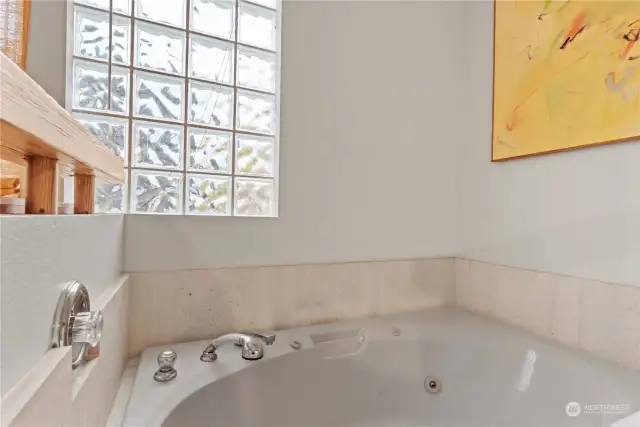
point(566, 75)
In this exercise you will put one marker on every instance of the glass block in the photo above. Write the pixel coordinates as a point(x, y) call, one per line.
point(90, 89)
point(159, 96)
point(91, 33)
point(215, 17)
point(119, 90)
point(253, 197)
point(109, 198)
point(211, 59)
point(208, 195)
point(90, 85)
point(102, 4)
point(122, 6)
point(156, 192)
point(256, 69)
point(211, 104)
point(209, 150)
point(120, 39)
point(157, 145)
point(113, 132)
point(160, 48)
point(170, 12)
point(257, 26)
point(254, 155)
point(256, 112)
point(267, 3)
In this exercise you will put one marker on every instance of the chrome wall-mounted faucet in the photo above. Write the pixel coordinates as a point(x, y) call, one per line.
point(75, 324)
point(252, 344)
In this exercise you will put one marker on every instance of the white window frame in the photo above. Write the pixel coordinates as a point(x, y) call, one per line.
point(131, 118)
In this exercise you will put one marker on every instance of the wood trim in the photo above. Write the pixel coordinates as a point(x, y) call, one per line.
point(493, 82)
point(562, 150)
point(24, 43)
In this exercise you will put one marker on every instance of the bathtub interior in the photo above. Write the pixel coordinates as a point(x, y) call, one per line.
point(506, 383)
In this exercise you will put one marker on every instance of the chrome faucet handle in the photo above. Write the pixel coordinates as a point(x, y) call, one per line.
point(252, 346)
point(252, 350)
point(87, 328)
point(74, 324)
point(166, 371)
point(209, 354)
point(267, 338)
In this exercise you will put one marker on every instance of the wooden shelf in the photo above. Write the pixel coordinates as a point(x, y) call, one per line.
point(38, 133)
point(33, 124)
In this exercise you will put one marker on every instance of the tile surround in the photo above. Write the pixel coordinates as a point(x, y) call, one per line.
point(598, 317)
point(177, 306)
point(188, 305)
point(166, 307)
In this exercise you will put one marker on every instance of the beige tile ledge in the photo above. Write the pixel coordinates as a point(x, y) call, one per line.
point(101, 377)
point(470, 260)
point(598, 317)
point(80, 377)
point(301, 264)
point(42, 397)
point(178, 306)
point(119, 407)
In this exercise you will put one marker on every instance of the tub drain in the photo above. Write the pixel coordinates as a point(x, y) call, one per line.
point(432, 384)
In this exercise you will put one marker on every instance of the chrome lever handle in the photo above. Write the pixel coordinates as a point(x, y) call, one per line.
point(252, 350)
point(251, 343)
point(267, 338)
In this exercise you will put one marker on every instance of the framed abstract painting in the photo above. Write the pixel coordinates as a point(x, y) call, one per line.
point(566, 75)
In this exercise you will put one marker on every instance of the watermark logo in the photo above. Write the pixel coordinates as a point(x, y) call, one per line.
point(573, 409)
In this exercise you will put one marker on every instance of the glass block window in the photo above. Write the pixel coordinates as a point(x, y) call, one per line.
point(185, 91)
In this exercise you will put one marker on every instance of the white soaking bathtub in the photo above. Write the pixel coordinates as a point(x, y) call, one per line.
point(372, 372)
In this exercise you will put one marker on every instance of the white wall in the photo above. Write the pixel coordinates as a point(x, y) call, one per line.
point(46, 56)
point(574, 213)
point(38, 255)
point(370, 94)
